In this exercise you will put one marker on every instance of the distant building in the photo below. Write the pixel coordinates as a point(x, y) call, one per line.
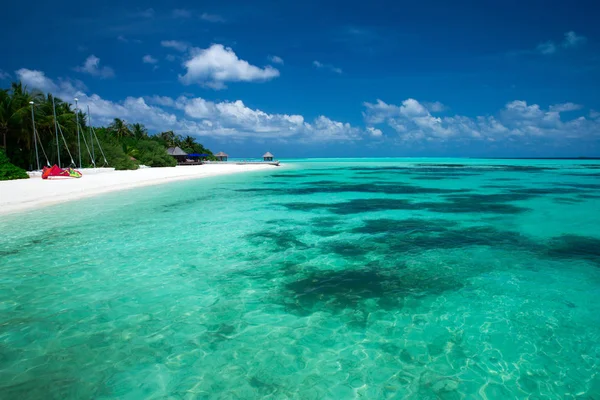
point(221, 156)
point(268, 156)
point(176, 152)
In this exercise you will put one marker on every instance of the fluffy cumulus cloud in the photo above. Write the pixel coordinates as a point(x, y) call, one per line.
point(236, 119)
point(374, 132)
point(36, 80)
point(64, 88)
point(92, 67)
point(216, 65)
point(517, 121)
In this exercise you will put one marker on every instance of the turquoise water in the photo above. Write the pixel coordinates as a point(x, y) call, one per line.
point(323, 279)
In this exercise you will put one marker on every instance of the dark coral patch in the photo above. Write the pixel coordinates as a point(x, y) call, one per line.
point(575, 247)
point(335, 291)
point(468, 206)
point(404, 226)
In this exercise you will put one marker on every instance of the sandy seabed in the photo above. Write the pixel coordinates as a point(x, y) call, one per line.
point(23, 194)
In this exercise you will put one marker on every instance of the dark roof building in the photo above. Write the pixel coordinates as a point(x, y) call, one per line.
point(176, 152)
point(221, 156)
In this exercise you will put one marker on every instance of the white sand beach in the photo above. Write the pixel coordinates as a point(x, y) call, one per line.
point(23, 194)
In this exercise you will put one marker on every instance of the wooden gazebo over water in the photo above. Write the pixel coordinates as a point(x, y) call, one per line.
point(221, 156)
point(268, 156)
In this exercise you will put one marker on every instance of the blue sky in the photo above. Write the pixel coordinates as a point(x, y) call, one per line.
point(316, 78)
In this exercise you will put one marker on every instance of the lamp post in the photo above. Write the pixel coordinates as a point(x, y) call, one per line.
point(77, 121)
point(37, 157)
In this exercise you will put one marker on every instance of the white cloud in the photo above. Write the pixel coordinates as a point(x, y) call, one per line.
point(148, 59)
point(92, 66)
point(413, 122)
point(174, 44)
point(374, 132)
point(212, 17)
point(276, 59)
point(565, 107)
point(4, 75)
point(181, 13)
point(170, 57)
point(161, 100)
point(546, 48)
point(330, 67)
point(36, 80)
point(594, 114)
point(216, 65)
point(572, 39)
point(435, 106)
point(63, 88)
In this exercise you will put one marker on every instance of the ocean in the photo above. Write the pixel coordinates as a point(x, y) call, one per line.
point(321, 279)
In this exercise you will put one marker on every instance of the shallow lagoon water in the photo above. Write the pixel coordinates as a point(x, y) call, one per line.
point(339, 279)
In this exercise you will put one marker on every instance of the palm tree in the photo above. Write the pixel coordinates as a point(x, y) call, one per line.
point(6, 114)
point(15, 122)
point(169, 138)
point(139, 131)
point(189, 142)
point(119, 128)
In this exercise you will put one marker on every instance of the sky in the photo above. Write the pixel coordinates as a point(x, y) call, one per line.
point(324, 78)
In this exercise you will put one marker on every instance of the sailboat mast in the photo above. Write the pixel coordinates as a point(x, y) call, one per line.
point(56, 131)
point(77, 121)
point(37, 156)
point(91, 137)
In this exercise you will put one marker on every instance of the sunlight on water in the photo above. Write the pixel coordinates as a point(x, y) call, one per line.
point(376, 279)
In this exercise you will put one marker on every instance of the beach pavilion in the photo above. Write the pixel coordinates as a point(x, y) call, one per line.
point(221, 156)
point(176, 152)
point(268, 156)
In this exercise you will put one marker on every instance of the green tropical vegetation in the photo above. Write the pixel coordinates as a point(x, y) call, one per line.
point(10, 171)
point(123, 145)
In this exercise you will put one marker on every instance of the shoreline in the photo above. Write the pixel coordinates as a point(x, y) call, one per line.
point(33, 193)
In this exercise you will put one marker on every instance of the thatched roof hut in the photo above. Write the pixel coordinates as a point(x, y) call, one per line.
point(268, 156)
point(221, 156)
point(176, 152)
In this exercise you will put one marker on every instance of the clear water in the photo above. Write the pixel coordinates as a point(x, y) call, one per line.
point(323, 279)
